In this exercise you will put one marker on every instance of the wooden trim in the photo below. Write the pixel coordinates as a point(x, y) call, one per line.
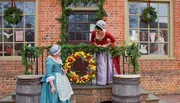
point(84, 8)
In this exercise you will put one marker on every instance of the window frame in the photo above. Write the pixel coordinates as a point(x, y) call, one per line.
point(35, 31)
point(170, 29)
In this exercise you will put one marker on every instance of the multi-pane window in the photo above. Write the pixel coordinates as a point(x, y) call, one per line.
point(80, 27)
point(82, 22)
point(14, 36)
point(153, 38)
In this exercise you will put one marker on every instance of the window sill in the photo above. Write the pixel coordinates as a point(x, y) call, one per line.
point(10, 57)
point(84, 8)
point(156, 57)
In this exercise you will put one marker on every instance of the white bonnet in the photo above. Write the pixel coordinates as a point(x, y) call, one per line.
point(55, 49)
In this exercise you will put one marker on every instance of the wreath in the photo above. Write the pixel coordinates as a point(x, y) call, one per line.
point(12, 15)
point(148, 15)
point(90, 74)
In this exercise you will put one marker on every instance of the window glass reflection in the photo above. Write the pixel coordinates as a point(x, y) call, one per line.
point(0, 7)
point(79, 18)
point(71, 19)
point(143, 24)
point(1, 48)
point(20, 5)
point(19, 35)
point(18, 49)
point(7, 4)
point(154, 48)
point(71, 27)
point(8, 49)
point(8, 35)
point(92, 18)
point(163, 22)
point(144, 35)
point(133, 21)
point(20, 24)
point(153, 36)
point(142, 6)
point(85, 18)
point(71, 36)
point(7, 25)
point(0, 21)
point(163, 10)
point(29, 35)
point(154, 24)
point(29, 21)
point(30, 6)
point(143, 48)
point(133, 35)
point(133, 8)
point(0, 36)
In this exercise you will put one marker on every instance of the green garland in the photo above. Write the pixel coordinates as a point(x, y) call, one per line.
point(129, 51)
point(101, 12)
point(29, 53)
point(67, 11)
point(148, 15)
point(12, 15)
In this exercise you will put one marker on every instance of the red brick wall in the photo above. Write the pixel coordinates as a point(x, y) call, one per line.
point(8, 72)
point(158, 76)
point(48, 25)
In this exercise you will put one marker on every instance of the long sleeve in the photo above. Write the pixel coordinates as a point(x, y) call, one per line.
point(49, 67)
point(93, 36)
point(109, 36)
point(49, 74)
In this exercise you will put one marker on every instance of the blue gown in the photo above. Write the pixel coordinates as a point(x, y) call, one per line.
point(63, 89)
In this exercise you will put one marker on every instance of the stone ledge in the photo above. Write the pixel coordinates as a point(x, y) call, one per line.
point(80, 87)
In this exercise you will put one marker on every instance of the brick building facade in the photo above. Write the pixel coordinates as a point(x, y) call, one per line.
point(159, 76)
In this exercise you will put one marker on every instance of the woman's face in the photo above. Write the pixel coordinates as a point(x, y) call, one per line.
point(99, 31)
point(58, 54)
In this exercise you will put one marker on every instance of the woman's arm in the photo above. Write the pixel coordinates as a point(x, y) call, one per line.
point(112, 39)
point(52, 86)
point(50, 77)
point(92, 39)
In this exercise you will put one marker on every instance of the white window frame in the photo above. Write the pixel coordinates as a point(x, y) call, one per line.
point(35, 32)
point(171, 29)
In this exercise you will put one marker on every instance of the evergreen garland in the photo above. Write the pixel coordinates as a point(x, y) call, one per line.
point(148, 15)
point(101, 12)
point(67, 11)
point(29, 54)
point(130, 51)
point(12, 15)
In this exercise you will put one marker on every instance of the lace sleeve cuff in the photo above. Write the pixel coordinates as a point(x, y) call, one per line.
point(50, 78)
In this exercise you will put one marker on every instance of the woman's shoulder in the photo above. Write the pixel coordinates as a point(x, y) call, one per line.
point(93, 32)
point(108, 33)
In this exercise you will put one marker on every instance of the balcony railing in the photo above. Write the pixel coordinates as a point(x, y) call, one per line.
point(38, 59)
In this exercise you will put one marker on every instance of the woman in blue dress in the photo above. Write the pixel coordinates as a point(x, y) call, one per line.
point(56, 87)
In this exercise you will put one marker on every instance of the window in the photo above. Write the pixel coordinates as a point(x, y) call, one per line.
point(82, 22)
point(13, 37)
point(80, 27)
point(152, 39)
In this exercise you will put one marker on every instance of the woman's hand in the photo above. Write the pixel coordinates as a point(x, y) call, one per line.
point(105, 46)
point(65, 71)
point(53, 90)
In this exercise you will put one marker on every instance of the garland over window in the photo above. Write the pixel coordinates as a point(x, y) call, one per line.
point(67, 11)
